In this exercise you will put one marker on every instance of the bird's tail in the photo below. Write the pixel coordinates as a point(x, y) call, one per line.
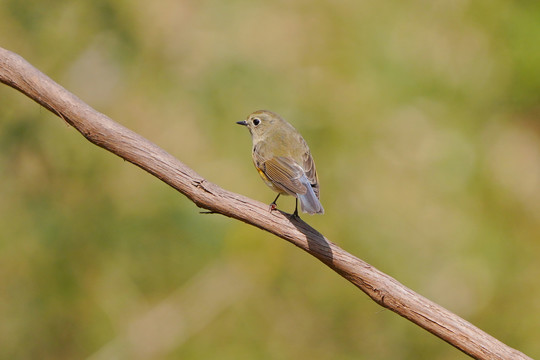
point(309, 202)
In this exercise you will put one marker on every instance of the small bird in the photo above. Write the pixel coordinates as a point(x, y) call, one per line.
point(282, 158)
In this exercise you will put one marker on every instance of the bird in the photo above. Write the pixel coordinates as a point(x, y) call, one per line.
point(283, 160)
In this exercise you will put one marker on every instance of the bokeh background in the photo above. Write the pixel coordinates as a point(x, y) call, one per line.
point(424, 121)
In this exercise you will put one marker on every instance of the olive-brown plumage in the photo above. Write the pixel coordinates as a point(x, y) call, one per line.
point(282, 158)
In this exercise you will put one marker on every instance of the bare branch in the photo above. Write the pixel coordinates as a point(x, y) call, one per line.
point(383, 289)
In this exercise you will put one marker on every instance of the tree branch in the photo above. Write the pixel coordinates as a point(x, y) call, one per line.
point(383, 289)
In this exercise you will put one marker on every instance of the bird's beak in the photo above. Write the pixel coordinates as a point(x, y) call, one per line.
point(242, 123)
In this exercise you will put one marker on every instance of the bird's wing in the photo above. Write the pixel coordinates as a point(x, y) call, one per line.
point(311, 172)
point(285, 173)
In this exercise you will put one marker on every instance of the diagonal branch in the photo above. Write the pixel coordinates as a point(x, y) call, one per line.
point(383, 289)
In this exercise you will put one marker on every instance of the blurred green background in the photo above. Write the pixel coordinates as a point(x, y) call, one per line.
point(423, 119)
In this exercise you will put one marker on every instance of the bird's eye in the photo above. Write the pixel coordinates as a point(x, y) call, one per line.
point(256, 121)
